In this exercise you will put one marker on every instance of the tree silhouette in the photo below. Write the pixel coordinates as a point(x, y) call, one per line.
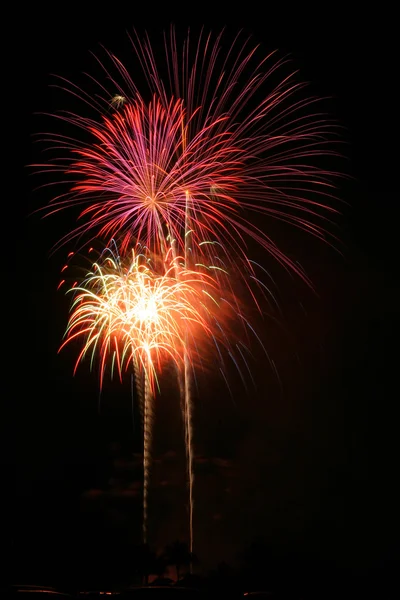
point(145, 560)
point(160, 565)
point(179, 556)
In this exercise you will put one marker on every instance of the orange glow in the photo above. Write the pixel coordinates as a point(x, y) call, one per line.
point(131, 314)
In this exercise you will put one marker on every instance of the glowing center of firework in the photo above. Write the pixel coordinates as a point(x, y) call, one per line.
point(151, 202)
point(146, 310)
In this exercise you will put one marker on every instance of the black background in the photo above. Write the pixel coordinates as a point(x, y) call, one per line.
point(311, 461)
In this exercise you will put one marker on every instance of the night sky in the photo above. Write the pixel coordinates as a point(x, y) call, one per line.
point(308, 460)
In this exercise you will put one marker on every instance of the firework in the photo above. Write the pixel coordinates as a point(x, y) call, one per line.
point(225, 137)
point(130, 313)
point(190, 170)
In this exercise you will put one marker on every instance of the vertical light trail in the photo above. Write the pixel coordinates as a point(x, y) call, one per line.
point(147, 434)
